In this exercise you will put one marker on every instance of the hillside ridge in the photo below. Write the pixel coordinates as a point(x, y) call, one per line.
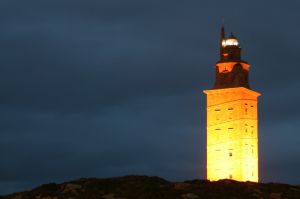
point(145, 187)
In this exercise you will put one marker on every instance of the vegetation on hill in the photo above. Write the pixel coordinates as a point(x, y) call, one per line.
point(144, 187)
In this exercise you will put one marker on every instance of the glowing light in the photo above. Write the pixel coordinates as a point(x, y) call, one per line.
point(228, 66)
point(223, 43)
point(232, 142)
point(231, 42)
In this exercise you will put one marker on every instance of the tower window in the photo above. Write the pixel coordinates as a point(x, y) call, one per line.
point(217, 113)
point(230, 113)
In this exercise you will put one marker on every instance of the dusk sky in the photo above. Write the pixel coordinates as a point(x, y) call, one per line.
point(104, 88)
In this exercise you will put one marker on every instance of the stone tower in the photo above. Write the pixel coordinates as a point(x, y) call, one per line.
point(232, 133)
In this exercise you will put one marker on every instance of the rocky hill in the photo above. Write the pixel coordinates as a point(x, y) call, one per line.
point(143, 187)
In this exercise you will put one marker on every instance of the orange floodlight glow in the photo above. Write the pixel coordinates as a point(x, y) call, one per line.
point(232, 140)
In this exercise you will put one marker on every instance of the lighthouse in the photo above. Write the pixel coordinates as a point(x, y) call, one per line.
point(232, 122)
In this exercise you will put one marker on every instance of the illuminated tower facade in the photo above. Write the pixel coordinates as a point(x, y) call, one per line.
point(232, 133)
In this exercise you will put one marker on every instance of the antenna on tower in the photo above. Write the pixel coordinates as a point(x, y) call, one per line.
point(222, 37)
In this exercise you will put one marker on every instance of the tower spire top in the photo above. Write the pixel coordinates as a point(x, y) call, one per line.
point(231, 70)
point(222, 38)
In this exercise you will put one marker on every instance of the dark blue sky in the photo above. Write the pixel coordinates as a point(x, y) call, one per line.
point(102, 88)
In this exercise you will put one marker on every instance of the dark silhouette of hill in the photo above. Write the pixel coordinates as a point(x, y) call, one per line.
point(144, 187)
